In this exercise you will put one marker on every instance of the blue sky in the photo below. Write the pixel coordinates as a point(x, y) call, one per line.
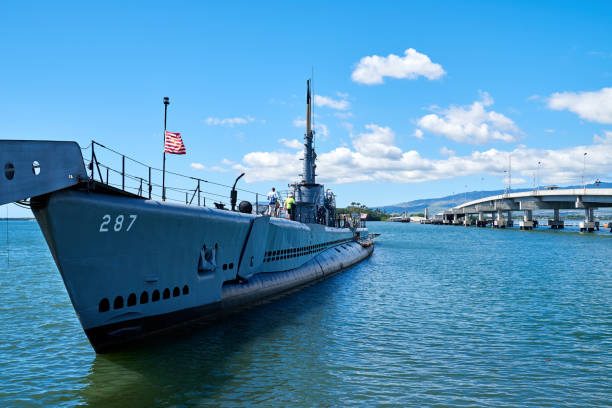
point(482, 80)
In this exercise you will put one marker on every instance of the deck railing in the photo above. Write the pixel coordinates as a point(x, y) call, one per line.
point(109, 167)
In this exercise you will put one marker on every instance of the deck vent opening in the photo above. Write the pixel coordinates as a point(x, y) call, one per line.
point(9, 171)
point(166, 293)
point(144, 297)
point(104, 305)
point(231, 266)
point(185, 290)
point(155, 296)
point(131, 300)
point(36, 168)
point(176, 292)
point(118, 303)
point(225, 267)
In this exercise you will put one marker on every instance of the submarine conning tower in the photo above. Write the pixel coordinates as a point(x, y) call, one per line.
point(308, 194)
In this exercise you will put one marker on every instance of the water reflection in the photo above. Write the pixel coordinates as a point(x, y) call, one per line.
point(196, 365)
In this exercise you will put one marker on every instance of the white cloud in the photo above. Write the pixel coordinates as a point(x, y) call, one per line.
point(322, 129)
point(418, 133)
point(549, 130)
point(377, 143)
point(230, 121)
point(593, 106)
point(292, 144)
point(200, 166)
point(374, 157)
point(471, 124)
point(323, 101)
point(372, 69)
point(343, 95)
point(606, 139)
point(447, 152)
point(227, 162)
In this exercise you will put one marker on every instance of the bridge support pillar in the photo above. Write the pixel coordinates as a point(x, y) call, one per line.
point(588, 225)
point(556, 223)
point(499, 221)
point(456, 219)
point(527, 223)
point(482, 222)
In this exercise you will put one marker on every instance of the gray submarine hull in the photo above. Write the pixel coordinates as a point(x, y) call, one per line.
point(136, 268)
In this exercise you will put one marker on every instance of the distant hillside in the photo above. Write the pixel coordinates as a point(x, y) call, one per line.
point(444, 203)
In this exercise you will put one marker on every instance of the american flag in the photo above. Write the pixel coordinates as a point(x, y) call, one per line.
point(174, 143)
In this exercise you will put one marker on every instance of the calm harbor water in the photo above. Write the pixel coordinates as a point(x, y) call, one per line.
point(438, 316)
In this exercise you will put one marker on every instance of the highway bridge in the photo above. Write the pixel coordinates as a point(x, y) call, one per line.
point(501, 207)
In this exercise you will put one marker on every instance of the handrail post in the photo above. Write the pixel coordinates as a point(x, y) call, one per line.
point(198, 192)
point(150, 188)
point(186, 197)
point(256, 203)
point(92, 160)
point(106, 175)
point(123, 172)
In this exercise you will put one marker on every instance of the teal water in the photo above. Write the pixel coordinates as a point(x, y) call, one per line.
point(438, 316)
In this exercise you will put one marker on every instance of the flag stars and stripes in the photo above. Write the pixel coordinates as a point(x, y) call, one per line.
point(174, 143)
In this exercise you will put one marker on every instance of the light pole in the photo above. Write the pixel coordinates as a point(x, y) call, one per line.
point(584, 169)
point(166, 103)
point(505, 185)
point(538, 174)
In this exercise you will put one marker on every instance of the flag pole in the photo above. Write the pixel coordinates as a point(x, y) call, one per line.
point(166, 103)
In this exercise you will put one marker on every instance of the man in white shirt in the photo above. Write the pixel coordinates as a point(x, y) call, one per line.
point(273, 203)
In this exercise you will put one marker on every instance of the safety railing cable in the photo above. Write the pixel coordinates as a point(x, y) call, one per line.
point(137, 184)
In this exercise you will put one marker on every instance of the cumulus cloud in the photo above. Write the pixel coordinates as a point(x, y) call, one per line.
point(377, 143)
point(371, 70)
point(374, 157)
point(593, 106)
point(339, 104)
point(292, 144)
point(471, 124)
point(606, 138)
point(231, 122)
point(418, 133)
point(200, 166)
point(447, 152)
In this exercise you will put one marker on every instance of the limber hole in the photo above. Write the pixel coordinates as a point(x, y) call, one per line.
point(9, 171)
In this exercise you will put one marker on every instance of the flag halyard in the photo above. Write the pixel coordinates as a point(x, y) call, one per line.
point(173, 143)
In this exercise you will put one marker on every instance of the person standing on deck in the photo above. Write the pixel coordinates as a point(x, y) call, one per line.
point(290, 207)
point(273, 203)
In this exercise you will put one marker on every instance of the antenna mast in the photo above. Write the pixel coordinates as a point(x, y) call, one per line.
point(309, 154)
